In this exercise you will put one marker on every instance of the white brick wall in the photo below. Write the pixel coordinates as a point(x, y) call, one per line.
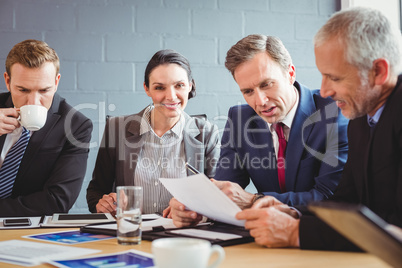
point(104, 46)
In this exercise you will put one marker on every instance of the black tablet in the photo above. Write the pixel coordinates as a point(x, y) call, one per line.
point(63, 218)
point(363, 227)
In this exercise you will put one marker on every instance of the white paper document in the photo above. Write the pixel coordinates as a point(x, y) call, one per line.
point(33, 253)
point(199, 194)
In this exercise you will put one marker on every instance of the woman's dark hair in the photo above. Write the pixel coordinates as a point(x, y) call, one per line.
point(168, 56)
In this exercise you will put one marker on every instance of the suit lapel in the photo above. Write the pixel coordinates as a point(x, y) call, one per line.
point(132, 136)
point(2, 139)
point(261, 140)
point(193, 148)
point(261, 136)
point(7, 104)
point(299, 134)
point(363, 142)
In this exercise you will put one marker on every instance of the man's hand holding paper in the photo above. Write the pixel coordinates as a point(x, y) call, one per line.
point(201, 197)
point(237, 194)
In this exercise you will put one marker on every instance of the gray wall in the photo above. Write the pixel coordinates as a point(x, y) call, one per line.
point(104, 46)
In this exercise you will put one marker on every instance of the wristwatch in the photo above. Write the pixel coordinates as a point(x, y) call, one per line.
point(256, 197)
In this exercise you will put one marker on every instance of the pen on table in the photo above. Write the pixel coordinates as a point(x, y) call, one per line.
point(42, 219)
point(191, 168)
point(114, 200)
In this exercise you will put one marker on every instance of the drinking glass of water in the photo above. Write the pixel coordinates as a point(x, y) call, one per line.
point(128, 214)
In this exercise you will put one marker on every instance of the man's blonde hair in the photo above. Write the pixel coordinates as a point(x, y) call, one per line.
point(32, 54)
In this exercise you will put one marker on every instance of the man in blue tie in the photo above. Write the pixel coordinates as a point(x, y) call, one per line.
point(288, 140)
point(41, 172)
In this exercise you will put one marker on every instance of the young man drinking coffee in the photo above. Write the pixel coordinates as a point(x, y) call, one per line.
point(41, 172)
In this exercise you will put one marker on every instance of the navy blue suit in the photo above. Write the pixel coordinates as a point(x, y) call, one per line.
point(315, 155)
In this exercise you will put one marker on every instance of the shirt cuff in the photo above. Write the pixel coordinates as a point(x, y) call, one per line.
point(297, 211)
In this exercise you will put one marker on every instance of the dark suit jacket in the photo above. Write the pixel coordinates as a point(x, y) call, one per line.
point(315, 155)
point(122, 144)
point(372, 175)
point(53, 167)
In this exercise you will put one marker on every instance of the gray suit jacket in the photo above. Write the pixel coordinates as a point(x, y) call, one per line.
point(122, 144)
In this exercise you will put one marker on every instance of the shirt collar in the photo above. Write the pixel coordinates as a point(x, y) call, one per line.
point(373, 120)
point(145, 125)
point(179, 126)
point(288, 120)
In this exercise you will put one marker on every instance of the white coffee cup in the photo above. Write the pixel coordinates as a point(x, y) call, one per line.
point(33, 117)
point(179, 252)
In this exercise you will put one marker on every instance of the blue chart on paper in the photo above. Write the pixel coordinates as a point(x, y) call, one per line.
point(127, 259)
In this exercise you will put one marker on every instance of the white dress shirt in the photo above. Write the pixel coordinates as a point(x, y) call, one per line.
point(160, 157)
point(10, 140)
point(287, 121)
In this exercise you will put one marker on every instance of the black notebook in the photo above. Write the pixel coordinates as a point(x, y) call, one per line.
point(363, 227)
point(215, 232)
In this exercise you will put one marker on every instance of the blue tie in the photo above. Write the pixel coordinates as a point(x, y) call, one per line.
point(372, 122)
point(11, 164)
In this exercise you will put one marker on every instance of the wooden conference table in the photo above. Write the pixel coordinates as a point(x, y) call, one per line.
point(242, 256)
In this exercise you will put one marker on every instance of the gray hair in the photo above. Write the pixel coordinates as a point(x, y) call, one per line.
point(249, 46)
point(367, 35)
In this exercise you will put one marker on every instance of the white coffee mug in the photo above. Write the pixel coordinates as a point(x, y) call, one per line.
point(33, 117)
point(185, 252)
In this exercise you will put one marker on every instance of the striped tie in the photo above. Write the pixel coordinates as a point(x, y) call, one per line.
point(11, 164)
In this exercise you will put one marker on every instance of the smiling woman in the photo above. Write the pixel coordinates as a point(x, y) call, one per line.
point(169, 85)
point(155, 143)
